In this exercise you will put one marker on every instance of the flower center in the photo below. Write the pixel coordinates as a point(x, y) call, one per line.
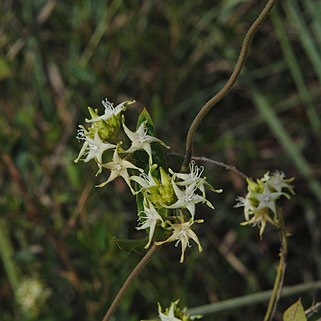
point(266, 198)
point(189, 196)
point(183, 236)
point(142, 136)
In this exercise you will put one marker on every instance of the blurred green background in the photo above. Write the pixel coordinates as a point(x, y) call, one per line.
point(57, 229)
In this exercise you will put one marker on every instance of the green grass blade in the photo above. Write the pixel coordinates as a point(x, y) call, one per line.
point(307, 41)
point(315, 13)
point(295, 71)
point(284, 138)
point(6, 253)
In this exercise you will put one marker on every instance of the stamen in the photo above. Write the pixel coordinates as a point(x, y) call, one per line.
point(142, 136)
point(81, 134)
point(144, 176)
point(191, 166)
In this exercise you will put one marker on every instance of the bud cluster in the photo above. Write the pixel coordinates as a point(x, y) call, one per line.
point(175, 313)
point(260, 202)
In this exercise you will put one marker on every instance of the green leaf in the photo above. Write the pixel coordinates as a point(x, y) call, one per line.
point(131, 245)
point(141, 157)
point(157, 150)
point(295, 312)
point(139, 200)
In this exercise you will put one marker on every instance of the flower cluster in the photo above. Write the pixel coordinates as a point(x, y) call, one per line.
point(175, 313)
point(32, 295)
point(167, 199)
point(170, 202)
point(260, 201)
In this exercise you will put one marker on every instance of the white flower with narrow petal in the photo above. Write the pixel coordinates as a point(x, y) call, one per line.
point(110, 110)
point(194, 177)
point(149, 220)
point(119, 167)
point(92, 148)
point(182, 232)
point(187, 198)
point(261, 199)
point(266, 199)
point(260, 219)
point(140, 140)
point(170, 316)
point(277, 182)
point(146, 181)
point(249, 209)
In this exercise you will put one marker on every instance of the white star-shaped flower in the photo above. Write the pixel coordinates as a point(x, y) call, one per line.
point(182, 232)
point(194, 177)
point(266, 199)
point(248, 207)
point(140, 140)
point(149, 220)
point(187, 198)
point(92, 148)
point(170, 315)
point(277, 182)
point(146, 181)
point(260, 219)
point(110, 110)
point(119, 167)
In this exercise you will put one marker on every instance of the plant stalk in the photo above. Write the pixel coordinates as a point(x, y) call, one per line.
point(139, 267)
point(278, 282)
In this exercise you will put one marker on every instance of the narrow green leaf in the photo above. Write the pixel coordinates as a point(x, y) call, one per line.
point(295, 70)
point(295, 312)
point(6, 255)
point(141, 157)
point(292, 150)
point(159, 157)
point(307, 41)
point(139, 200)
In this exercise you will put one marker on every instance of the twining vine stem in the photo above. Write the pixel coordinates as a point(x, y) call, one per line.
point(139, 267)
point(229, 84)
point(189, 141)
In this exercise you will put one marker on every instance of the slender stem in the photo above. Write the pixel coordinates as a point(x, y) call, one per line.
point(139, 267)
point(212, 161)
point(252, 299)
point(229, 84)
point(278, 282)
